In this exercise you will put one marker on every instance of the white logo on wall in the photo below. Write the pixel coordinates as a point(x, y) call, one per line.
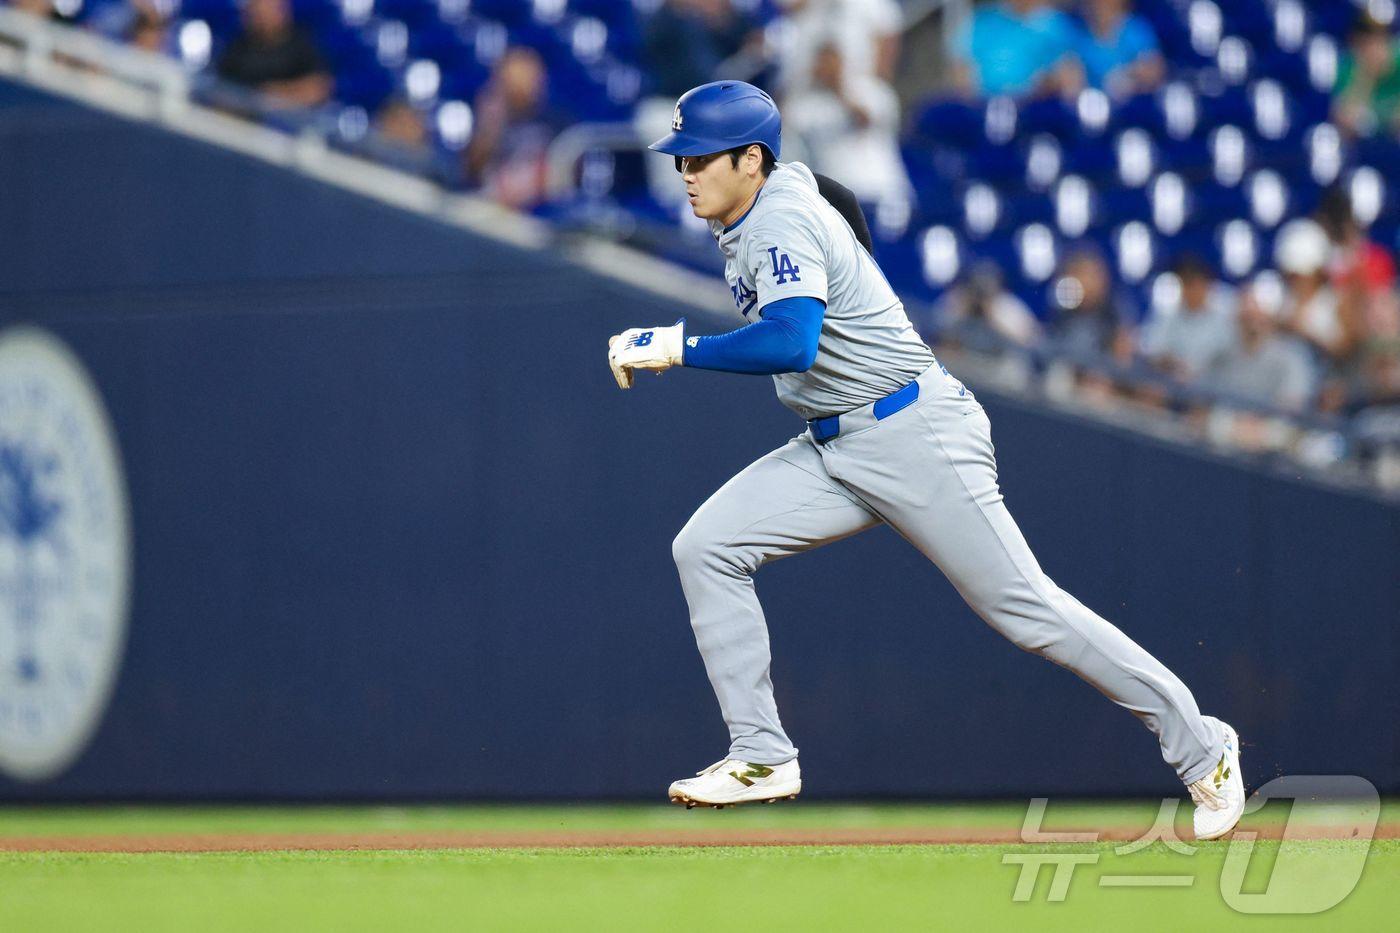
point(65, 556)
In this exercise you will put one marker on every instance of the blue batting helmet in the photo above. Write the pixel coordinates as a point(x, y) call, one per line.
point(722, 115)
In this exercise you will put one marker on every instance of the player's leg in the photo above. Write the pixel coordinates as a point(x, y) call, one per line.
point(782, 504)
point(934, 480)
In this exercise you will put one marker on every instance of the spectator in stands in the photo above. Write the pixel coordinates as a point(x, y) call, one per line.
point(867, 33)
point(1091, 331)
point(847, 127)
point(149, 27)
point(1184, 340)
point(1359, 266)
point(1311, 308)
point(688, 40)
point(1093, 319)
point(1117, 49)
point(1017, 47)
point(1366, 98)
point(400, 122)
point(142, 23)
point(980, 315)
point(1266, 366)
point(1374, 379)
point(1362, 275)
point(514, 127)
point(276, 57)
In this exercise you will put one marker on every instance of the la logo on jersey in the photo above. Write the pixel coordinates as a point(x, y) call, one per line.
point(783, 269)
point(677, 123)
point(744, 297)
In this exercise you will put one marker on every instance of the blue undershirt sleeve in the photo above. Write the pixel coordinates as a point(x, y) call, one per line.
point(783, 340)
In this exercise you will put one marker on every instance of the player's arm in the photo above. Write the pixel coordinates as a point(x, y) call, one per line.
point(786, 258)
point(783, 340)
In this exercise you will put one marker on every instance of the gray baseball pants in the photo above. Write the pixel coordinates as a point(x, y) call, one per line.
point(928, 471)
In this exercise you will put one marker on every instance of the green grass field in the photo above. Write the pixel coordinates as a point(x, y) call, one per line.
point(810, 887)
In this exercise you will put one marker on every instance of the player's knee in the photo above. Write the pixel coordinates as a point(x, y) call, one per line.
point(688, 549)
point(696, 550)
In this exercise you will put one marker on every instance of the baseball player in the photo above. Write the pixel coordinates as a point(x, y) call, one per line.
point(891, 437)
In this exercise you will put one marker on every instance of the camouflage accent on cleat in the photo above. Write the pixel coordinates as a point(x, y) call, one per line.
point(733, 781)
point(755, 771)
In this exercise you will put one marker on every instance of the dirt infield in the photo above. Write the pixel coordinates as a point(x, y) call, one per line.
point(329, 842)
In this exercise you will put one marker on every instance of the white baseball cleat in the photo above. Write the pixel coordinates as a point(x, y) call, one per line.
point(730, 781)
point(1220, 795)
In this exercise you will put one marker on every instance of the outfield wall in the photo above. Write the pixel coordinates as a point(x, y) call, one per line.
point(397, 534)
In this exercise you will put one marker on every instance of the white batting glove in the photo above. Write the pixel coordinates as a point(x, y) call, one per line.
point(656, 348)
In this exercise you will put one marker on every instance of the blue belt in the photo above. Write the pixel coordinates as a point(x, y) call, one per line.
point(824, 429)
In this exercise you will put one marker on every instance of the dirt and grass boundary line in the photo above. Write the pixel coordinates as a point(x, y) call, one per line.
point(556, 839)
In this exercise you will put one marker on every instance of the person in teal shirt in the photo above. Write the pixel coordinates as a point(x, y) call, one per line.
point(1117, 49)
point(1018, 47)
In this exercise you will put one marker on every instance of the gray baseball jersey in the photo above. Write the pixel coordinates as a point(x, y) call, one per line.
point(792, 244)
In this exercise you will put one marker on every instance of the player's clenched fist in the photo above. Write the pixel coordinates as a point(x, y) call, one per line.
point(655, 348)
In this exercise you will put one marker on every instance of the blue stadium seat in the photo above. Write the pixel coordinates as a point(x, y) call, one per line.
point(1090, 156)
point(417, 13)
point(950, 123)
point(998, 164)
point(1332, 17)
point(1118, 206)
point(1229, 106)
point(1250, 19)
point(1048, 115)
point(511, 12)
point(221, 15)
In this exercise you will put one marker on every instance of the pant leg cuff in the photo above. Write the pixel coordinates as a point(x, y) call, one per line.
point(1194, 774)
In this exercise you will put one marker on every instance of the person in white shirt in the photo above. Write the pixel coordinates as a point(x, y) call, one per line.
point(1183, 339)
point(846, 125)
point(1264, 367)
point(1312, 309)
point(868, 33)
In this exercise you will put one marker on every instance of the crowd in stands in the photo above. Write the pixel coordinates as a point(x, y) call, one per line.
point(1316, 331)
point(1029, 47)
point(1320, 332)
point(1168, 203)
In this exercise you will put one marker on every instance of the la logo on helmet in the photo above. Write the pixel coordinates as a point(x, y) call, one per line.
point(677, 123)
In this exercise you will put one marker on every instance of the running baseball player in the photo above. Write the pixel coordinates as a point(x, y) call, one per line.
point(891, 437)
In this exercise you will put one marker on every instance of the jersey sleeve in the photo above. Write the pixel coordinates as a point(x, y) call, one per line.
point(786, 256)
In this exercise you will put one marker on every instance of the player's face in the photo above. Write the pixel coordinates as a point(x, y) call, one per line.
point(713, 184)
